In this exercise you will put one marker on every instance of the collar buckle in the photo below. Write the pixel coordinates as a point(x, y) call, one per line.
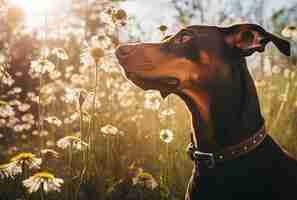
point(207, 159)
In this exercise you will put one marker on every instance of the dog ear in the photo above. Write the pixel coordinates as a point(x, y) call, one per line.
point(249, 38)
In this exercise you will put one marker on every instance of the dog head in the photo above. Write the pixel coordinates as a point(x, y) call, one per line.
point(197, 57)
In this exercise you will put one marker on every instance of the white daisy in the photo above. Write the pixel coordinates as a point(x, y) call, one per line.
point(49, 153)
point(10, 170)
point(109, 130)
point(43, 180)
point(168, 112)
point(71, 141)
point(24, 107)
point(42, 66)
point(166, 135)
point(290, 32)
point(54, 120)
point(276, 69)
point(152, 100)
point(27, 159)
point(71, 95)
point(28, 118)
point(60, 53)
point(145, 179)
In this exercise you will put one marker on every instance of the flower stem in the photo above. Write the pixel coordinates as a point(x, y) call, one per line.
point(93, 124)
point(167, 166)
point(87, 19)
point(282, 106)
point(42, 193)
point(40, 111)
point(70, 171)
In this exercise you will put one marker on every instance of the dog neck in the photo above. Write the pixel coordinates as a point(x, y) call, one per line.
point(226, 115)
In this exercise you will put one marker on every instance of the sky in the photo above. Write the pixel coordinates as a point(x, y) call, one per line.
point(151, 13)
point(148, 13)
point(159, 9)
point(162, 11)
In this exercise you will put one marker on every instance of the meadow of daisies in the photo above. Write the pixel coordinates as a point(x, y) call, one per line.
point(72, 127)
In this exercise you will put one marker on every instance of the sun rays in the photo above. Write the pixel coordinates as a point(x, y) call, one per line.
point(36, 10)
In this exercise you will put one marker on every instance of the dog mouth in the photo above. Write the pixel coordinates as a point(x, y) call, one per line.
point(161, 83)
point(249, 52)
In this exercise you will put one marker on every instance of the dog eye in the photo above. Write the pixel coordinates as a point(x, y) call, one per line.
point(247, 37)
point(183, 38)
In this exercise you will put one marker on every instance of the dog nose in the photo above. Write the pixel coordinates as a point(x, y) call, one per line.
point(124, 50)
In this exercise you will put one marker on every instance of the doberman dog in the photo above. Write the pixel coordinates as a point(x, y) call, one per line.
point(205, 66)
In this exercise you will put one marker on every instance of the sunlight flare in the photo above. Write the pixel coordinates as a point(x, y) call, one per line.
point(35, 10)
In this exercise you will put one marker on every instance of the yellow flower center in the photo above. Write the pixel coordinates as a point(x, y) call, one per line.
point(97, 53)
point(23, 156)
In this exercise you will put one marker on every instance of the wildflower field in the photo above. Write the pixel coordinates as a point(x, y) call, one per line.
point(72, 127)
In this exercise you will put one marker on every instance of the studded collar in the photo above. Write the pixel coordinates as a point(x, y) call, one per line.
point(230, 153)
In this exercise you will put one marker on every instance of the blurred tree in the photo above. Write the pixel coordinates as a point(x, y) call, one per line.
point(286, 17)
